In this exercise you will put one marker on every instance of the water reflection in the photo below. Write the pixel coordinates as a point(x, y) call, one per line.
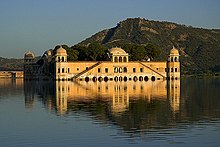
point(11, 86)
point(159, 110)
point(131, 105)
point(116, 94)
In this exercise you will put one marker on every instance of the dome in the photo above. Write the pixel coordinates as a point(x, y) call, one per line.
point(117, 50)
point(61, 51)
point(174, 51)
point(29, 55)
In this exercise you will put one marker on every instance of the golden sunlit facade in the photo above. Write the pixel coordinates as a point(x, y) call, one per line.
point(118, 68)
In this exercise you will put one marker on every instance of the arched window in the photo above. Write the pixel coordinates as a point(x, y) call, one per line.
point(62, 59)
point(124, 59)
point(116, 59)
point(120, 59)
point(125, 69)
point(58, 59)
point(176, 59)
point(115, 70)
point(171, 59)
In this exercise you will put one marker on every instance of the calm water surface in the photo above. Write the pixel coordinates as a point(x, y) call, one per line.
point(160, 113)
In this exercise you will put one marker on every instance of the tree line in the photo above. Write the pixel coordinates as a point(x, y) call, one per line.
point(99, 52)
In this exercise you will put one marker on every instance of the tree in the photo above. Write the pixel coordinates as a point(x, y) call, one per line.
point(83, 52)
point(96, 51)
point(93, 52)
point(152, 51)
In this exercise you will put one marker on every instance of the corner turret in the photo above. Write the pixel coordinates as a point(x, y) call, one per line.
point(173, 64)
point(29, 61)
point(61, 55)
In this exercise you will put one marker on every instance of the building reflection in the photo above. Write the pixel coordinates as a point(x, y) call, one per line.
point(29, 93)
point(116, 94)
point(131, 105)
point(173, 94)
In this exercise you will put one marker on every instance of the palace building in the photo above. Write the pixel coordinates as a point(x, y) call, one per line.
point(54, 65)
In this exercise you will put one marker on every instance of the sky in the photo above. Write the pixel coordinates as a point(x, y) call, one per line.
point(39, 25)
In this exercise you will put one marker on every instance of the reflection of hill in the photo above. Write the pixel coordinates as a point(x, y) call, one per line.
point(201, 98)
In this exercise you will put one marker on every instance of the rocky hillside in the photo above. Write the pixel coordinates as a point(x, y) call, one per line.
point(199, 48)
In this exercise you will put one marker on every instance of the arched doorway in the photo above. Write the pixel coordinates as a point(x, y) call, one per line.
point(146, 78)
point(94, 79)
point(135, 78)
point(140, 78)
point(153, 78)
point(87, 79)
point(105, 79)
point(100, 79)
point(125, 79)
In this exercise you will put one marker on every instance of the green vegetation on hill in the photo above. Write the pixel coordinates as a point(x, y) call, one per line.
point(199, 48)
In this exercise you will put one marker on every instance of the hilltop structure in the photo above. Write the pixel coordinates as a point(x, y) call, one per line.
point(54, 65)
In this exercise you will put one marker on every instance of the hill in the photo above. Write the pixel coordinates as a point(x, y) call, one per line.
point(199, 48)
point(11, 64)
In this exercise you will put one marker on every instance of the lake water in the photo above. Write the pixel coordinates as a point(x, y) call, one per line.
point(183, 112)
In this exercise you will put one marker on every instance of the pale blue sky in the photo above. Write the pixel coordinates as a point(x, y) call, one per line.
point(38, 25)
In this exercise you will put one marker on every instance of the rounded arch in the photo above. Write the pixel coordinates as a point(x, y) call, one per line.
point(116, 78)
point(62, 59)
point(115, 69)
point(120, 78)
point(105, 79)
point(116, 59)
point(125, 69)
point(125, 59)
point(146, 78)
point(100, 79)
point(120, 69)
point(176, 59)
point(120, 59)
point(171, 59)
point(140, 78)
point(94, 79)
point(87, 79)
point(125, 78)
point(135, 78)
point(153, 78)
